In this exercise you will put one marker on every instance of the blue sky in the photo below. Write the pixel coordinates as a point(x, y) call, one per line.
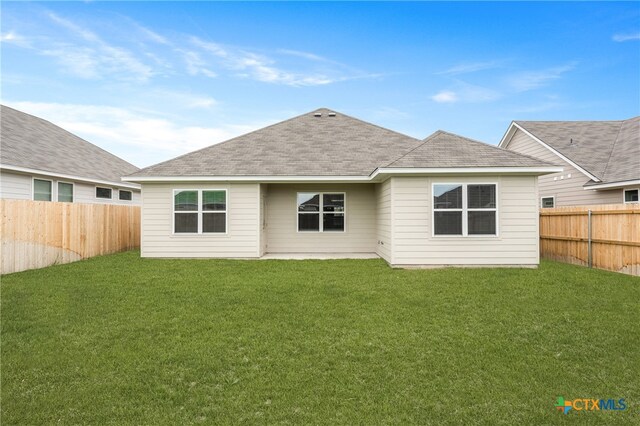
point(151, 80)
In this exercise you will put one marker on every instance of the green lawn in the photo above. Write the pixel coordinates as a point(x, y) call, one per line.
point(124, 340)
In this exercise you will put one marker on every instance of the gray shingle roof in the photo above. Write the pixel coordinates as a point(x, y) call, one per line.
point(306, 145)
point(443, 149)
point(609, 150)
point(328, 143)
point(34, 143)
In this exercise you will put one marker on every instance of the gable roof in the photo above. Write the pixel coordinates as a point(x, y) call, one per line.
point(608, 150)
point(444, 149)
point(327, 143)
point(30, 142)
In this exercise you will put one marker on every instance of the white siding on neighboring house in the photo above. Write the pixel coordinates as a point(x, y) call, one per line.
point(384, 247)
point(516, 243)
point(86, 193)
point(242, 239)
point(15, 186)
point(19, 186)
point(568, 191)
point(281, 214)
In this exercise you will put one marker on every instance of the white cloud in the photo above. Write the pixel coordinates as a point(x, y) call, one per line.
point(142, 138)
point(14, 38)
point(466, 68)
point(529, 80)
point(445, 96)
point(626, 37)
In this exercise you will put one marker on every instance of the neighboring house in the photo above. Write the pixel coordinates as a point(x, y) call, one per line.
point(41, 161)
point(601, 159)
point(324, 183)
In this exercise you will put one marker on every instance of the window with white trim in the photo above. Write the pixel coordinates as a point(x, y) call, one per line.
point(547, 202)
point(102, 192)
point(42, 190)
point(321, 211)
point(200, 211)
point(65, 192)
point(631, 195)
point(464, 209)
point(125, 195)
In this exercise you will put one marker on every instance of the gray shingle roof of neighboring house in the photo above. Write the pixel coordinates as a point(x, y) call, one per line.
point(33, 143)
point(444, 149)
point(609, 150)
point(327, 143)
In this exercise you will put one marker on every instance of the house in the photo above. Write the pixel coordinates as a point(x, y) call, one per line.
point(600, 159)
point(41, 161)
point(326, 184)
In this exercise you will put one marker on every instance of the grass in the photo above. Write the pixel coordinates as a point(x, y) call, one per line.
point(124, 340)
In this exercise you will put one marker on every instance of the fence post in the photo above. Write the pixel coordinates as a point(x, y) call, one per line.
point(589, 238)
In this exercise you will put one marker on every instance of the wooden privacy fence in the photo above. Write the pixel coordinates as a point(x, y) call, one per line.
point(36, 234)
point(605, 236)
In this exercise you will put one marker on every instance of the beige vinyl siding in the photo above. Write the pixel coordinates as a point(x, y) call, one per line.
point(516, 244)
point(240, 241)
point(262, 222)
point(568, 191)
point(15, 186)
point(384, 247)
point(282, 232)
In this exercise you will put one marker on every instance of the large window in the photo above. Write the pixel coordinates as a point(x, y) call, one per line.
point(42, 190)
point(321, 212)
point(464, 209)
point(65, 192)
point(198, 211)
point(631, 195)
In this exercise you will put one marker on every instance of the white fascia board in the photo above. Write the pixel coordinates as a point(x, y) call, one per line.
point(507, 136)
point(613, 185)
point(526, 132)
point(468, 170)
point(362, 179)
point(261, 179)
point(65, 176)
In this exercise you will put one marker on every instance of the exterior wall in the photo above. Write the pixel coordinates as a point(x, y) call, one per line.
point(516, 243)
point(281, 220)
point(566, 186)
point(15, 186)
point(384, 247)
point(263, 219)
point(19, 186)
point(242, 239)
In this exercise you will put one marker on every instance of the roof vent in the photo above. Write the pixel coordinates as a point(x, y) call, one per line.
point(317, 114)
point(332, 114)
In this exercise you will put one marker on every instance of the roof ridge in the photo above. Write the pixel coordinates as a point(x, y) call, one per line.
point(613, 147)
point(72, 134)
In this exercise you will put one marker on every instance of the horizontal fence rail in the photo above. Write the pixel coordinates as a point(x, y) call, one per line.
point(36, 234)
point(605, 236)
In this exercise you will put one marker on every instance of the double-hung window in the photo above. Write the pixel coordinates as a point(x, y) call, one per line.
point(321, 211)
point(200, 211)
point(464, 209)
